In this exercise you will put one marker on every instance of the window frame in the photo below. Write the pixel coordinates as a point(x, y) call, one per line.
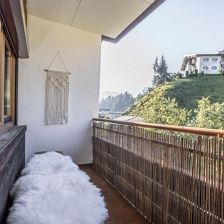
point(205, 59)
point(205, 67)
point(7, 122)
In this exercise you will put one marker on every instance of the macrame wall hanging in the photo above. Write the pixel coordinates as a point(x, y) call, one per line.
point(56, 95)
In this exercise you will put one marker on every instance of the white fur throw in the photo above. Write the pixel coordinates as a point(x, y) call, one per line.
point(53, 190)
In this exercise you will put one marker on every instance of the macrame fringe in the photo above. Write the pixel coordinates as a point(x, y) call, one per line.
point(56, 97)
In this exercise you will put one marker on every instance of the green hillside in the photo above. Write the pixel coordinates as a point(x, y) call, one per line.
point(186, 91)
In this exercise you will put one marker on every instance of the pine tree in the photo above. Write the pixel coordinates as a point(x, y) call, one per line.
point(161, 74)
point(117, 103)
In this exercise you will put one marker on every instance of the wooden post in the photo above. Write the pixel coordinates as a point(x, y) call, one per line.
point(2, 73)
point(13, 85)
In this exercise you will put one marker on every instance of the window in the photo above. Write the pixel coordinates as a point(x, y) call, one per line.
point(214, 67)
point(214, 59)
point(205, 68)
point(7, 81)
point(205, 59)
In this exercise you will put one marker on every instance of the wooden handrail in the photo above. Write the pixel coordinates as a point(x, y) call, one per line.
point(189, 130)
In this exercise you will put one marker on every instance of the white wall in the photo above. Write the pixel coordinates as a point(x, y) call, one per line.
point(210, 64)
point(198, 64)
point(81, 53)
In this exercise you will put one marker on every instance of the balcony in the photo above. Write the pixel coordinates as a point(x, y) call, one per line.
point(169, 174)
point(148, 173)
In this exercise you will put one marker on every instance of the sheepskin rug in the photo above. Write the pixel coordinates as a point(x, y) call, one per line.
point(53, 190)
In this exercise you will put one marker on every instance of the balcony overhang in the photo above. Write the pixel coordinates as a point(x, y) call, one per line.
point(111, 19)
point(12, 14)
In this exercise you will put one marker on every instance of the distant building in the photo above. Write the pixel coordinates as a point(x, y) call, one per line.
point(203, 63)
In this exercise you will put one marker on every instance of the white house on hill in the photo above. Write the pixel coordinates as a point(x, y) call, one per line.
point(203, 63)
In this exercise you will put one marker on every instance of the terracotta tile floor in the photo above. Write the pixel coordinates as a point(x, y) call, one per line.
point(120, 211)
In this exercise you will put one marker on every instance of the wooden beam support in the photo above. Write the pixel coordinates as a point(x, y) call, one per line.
point(2, 72)
point(13, 87)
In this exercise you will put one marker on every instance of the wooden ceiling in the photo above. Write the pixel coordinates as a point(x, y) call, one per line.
point(105, 17)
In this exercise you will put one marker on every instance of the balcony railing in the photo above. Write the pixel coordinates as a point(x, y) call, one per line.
point(170, 178)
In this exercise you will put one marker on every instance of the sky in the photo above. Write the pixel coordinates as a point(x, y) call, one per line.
point(175, 29)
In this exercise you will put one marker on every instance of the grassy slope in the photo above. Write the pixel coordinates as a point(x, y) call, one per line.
point(186, 91)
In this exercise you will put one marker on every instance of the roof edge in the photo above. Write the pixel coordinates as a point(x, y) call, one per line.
point(198, 55)
point(131, 26)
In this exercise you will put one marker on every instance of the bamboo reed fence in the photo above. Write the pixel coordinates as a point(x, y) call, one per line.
point(170, 179)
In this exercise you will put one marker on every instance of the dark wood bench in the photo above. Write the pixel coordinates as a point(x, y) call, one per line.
point(12, 161)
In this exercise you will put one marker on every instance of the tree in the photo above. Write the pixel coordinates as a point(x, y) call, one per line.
point(161, 74)
point(221, 71)
point(117, 103)
point(161, 110)
point(209, 115)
